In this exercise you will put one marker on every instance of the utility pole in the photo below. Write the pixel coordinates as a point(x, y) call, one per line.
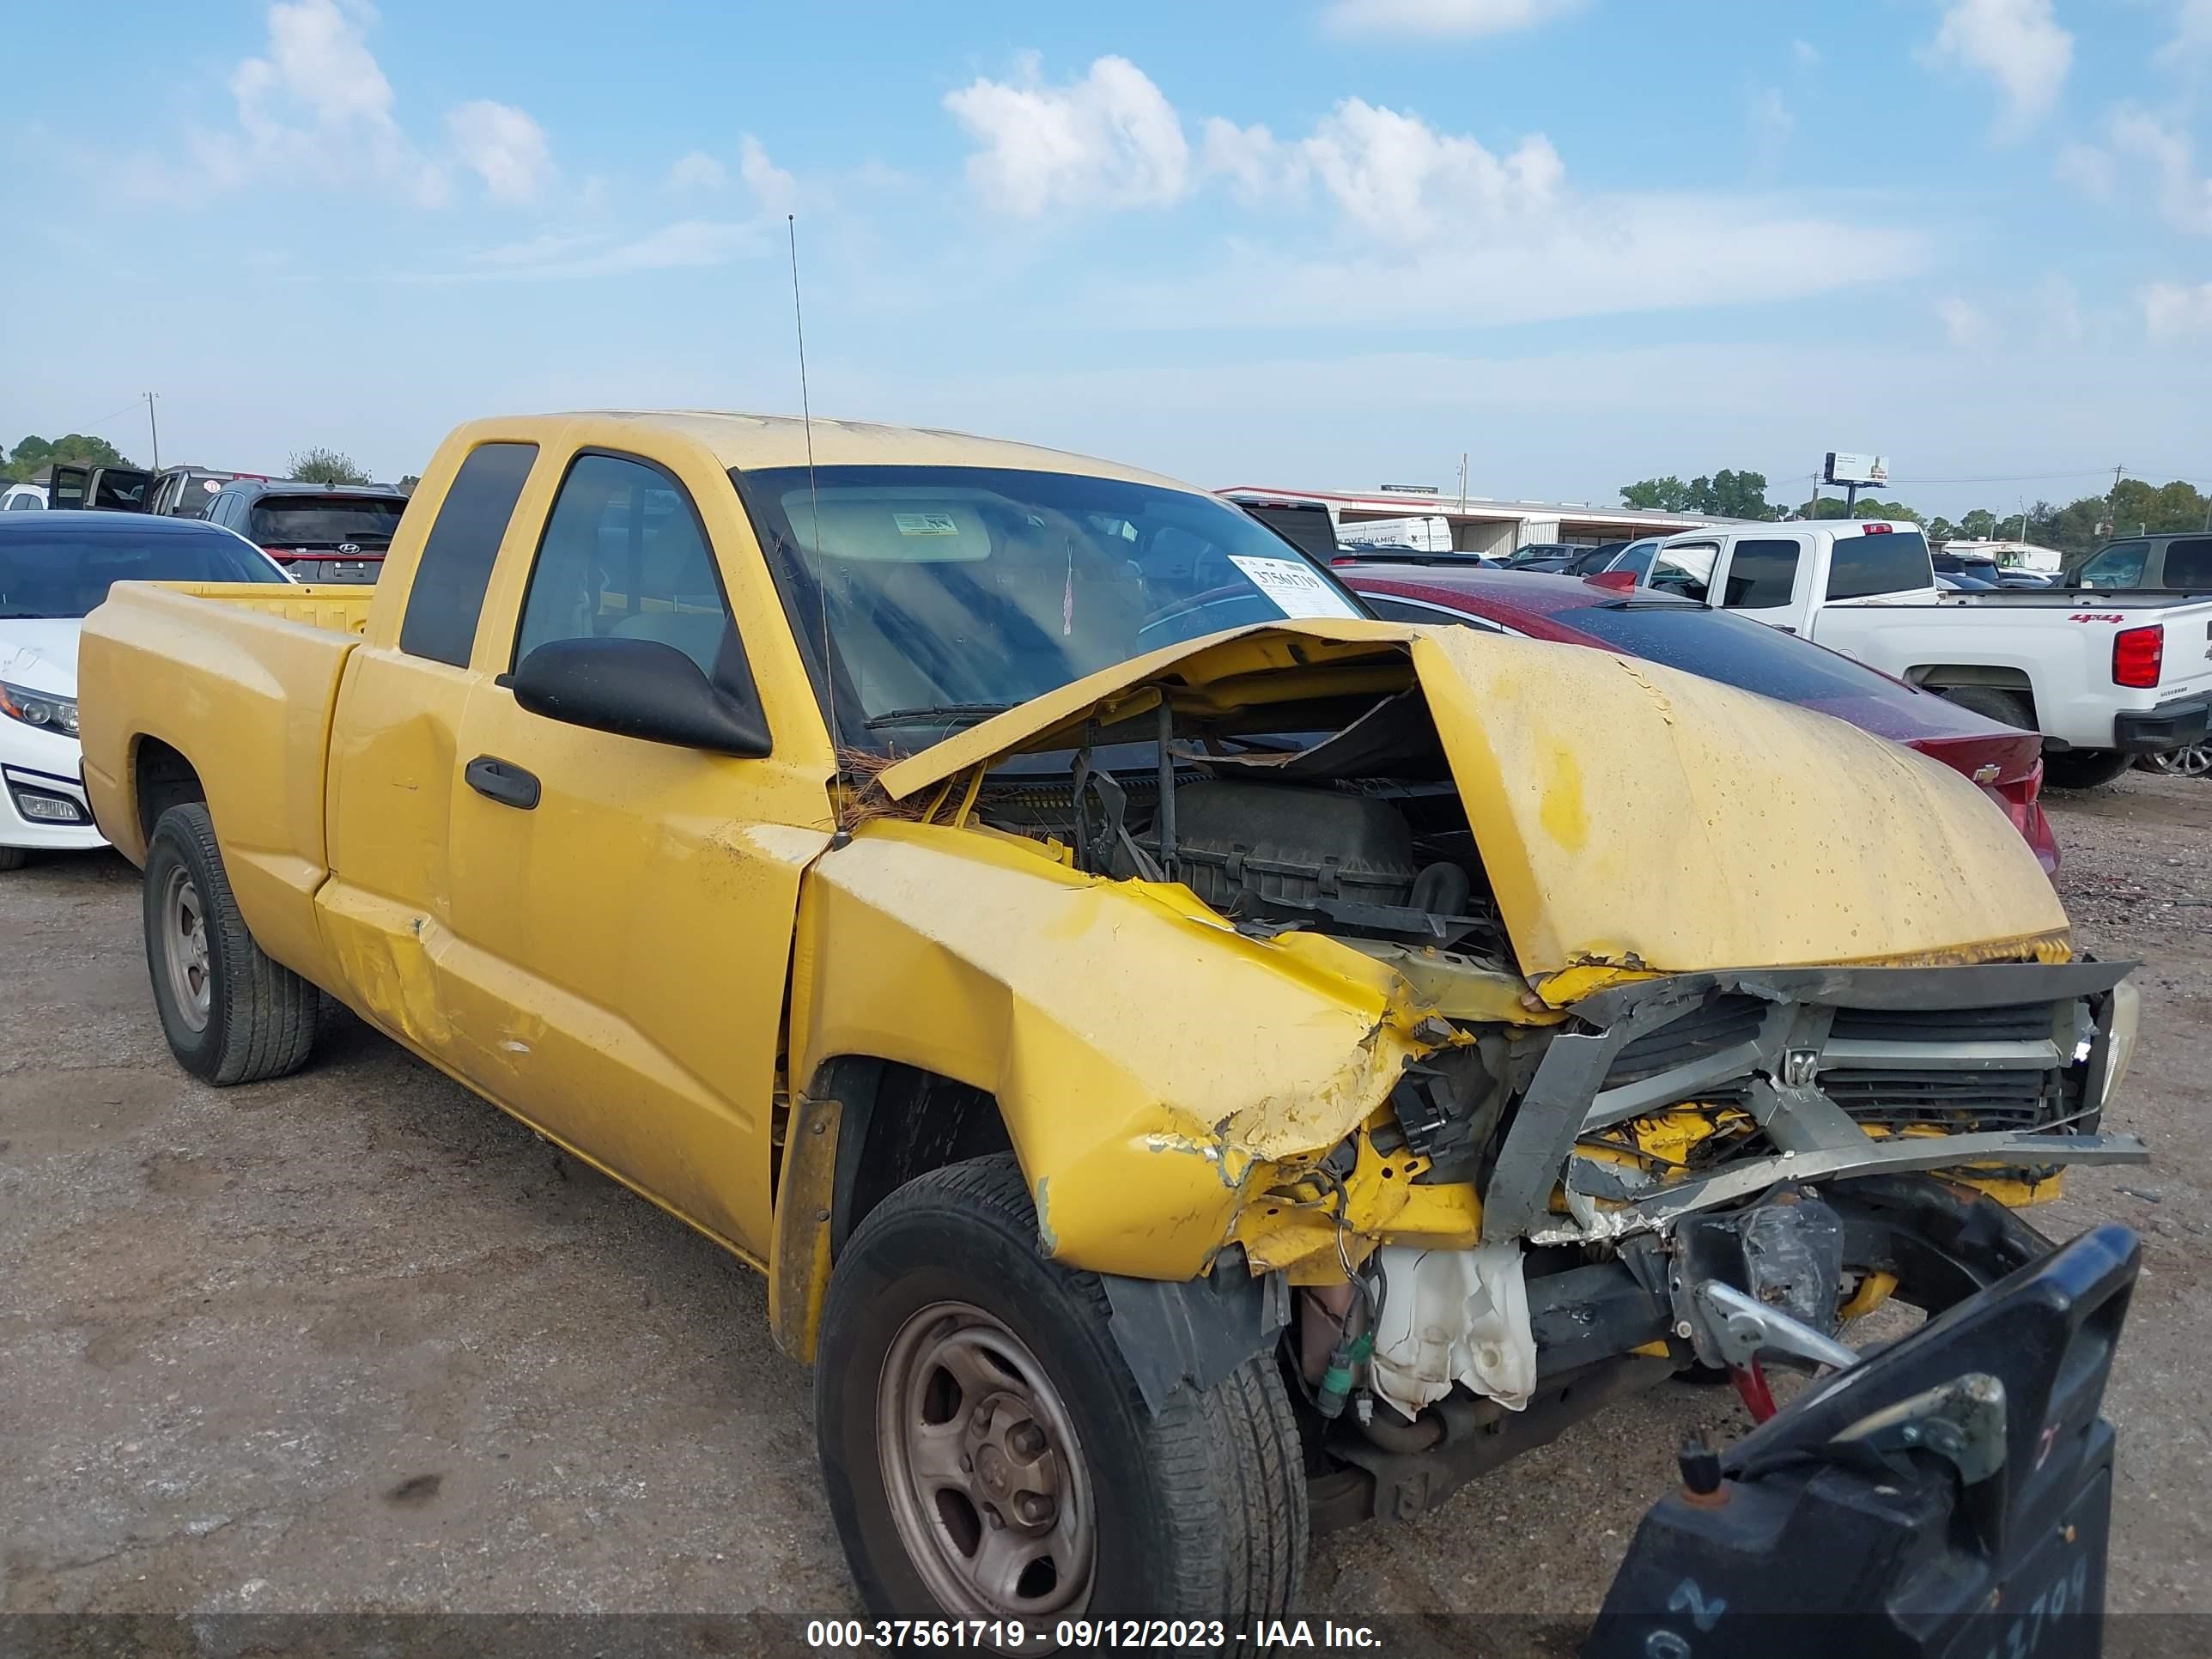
point(155, 428)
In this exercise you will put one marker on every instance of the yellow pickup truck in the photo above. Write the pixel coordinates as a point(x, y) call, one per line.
point(1195, 1062)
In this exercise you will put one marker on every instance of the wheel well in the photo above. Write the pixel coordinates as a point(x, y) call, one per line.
point(1944, 677)
point(899, 1122)
point(162, 778)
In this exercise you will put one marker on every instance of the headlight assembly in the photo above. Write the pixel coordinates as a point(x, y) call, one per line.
point(43, 710)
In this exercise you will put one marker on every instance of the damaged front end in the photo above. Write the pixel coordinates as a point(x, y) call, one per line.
point(1543, 1023)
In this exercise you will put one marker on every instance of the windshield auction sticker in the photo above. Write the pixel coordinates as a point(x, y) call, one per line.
point(1298, 588)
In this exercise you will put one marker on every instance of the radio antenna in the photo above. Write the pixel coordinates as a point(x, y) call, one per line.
point(814, 509)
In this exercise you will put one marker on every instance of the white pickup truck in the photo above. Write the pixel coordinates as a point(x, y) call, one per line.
point(2103, 676)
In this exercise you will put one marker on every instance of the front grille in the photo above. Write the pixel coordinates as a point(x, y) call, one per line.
point(1721, 1023)
point(1963, 1101)
point(1894, 1097)
point(2026, 1021)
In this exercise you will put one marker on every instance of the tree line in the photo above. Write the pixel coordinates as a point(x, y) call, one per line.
point(2134, 506)
point(35, 454)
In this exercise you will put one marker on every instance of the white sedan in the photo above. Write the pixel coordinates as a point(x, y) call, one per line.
point(54, 566)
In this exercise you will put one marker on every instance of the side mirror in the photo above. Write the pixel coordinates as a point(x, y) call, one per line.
point(638, 689)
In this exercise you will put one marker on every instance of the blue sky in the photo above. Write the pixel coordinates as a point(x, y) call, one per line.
point(1317, 242)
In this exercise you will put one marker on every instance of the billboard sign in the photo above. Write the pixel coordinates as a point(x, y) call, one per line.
point(1856, 468)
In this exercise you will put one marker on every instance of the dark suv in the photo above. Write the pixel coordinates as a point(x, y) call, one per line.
point(319, 532)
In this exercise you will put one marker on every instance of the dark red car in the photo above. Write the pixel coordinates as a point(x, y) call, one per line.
point(1680, 633)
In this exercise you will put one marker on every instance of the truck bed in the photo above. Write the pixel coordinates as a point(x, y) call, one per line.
point(2068, 598)
point(163, 665)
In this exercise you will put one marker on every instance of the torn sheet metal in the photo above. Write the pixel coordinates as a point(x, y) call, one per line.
point(1171, 1087)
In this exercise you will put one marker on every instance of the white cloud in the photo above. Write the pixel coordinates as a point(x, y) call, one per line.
point(2191, 45)
point(1807, 54)
point(1435, 226)
point(2087, 169)
point(1109, 139)
point(314, 109)
point(2173, 310)
point(562, 254)
point(1396, 176)
point(1964, 323)
point(2136, 139)
point(772, 187)
point(2018, 44)
point(503, 146)
point(1772, 122)
point(1443, 17)
point(697, 170)
point(315, 104)
point(1587, 256)
point(1251, 158)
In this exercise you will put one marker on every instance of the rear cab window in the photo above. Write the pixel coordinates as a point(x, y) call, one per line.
point(2189, 564)
point(1883, 562)
point(448, 592)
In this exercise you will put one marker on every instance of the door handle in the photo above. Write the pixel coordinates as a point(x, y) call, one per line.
point(502, 781)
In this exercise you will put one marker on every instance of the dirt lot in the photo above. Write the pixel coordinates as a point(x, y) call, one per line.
point(355, 1340)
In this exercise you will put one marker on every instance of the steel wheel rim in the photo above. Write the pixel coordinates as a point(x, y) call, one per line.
point(983, 1469)
point(183, 928)
point(2192, 761)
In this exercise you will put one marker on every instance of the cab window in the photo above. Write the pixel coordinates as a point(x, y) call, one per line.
point(448, 594)
point(2120, 565)
point(1685, 570)
point(2189, 564)
point(624, 556)
point(1761, 575)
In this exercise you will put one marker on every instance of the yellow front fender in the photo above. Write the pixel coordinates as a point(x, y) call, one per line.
point(1148, 1059)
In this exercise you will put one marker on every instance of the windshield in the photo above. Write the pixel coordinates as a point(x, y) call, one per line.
point(324, 520)
point(49, 572)
point(1738, 652)
point(952, 593)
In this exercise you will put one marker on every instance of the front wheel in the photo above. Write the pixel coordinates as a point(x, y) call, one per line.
point(987, 1454)
point(13, 858)
point(2084, 769)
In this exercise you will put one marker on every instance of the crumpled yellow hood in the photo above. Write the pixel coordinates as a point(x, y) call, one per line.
point(1630, 817)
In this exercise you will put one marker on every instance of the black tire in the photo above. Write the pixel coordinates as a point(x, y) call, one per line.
point(2084, 769)
point(2005, 707)
point(1201, 1510)
point(13, 858)
point(259, 1019)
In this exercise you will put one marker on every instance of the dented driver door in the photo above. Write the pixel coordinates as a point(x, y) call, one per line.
point(624, 907)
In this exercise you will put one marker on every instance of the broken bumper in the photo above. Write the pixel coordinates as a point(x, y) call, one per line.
point(1949, 1495)
point(2001, 1069)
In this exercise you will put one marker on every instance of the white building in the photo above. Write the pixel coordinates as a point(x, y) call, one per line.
point(2013, 555)
point(1474, 523)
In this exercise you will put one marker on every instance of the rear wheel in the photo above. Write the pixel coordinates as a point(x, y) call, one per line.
point(2084, 769)
point(987, 1454)
point(2006, 708)
point(2192, 761)
point(230, 1013)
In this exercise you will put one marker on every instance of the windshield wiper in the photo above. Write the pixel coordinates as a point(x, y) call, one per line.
point(947, 712)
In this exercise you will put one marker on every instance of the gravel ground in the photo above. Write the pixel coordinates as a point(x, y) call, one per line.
point(353, 1340)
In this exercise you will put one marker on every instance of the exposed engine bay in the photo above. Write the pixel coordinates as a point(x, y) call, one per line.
point(1660, 1114)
